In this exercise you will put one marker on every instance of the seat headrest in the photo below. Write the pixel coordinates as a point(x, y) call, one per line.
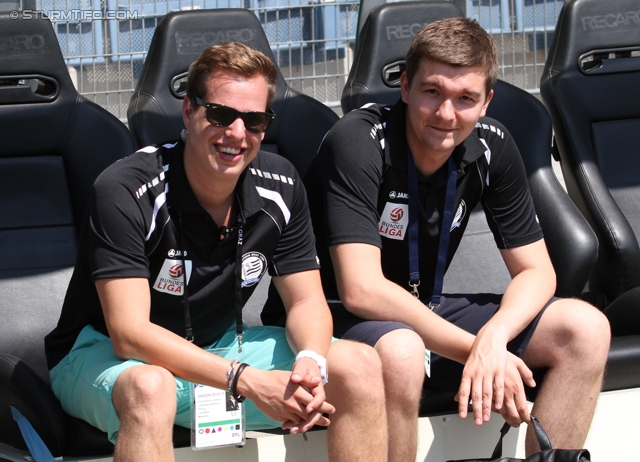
point(154, 110)
point(29, 48)
point(42, 115)
point(35, 88)
point(382, 47)
point(594, 62)
point(595, 37)
point(181, 36)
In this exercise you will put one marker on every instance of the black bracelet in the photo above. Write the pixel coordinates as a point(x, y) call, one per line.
point(230, 373)
point(238, 397)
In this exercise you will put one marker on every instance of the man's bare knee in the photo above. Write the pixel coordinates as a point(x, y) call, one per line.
point(570, 330)
point(402, 355)
point(145, 392)
point(587, 327)
point(400, 345)
point(355, 369)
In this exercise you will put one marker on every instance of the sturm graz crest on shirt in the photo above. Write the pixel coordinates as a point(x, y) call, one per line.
point(254, 265)
point(459, 216)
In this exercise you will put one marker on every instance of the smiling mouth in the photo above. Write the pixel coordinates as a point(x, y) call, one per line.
point(229, 150)
point(229, 153)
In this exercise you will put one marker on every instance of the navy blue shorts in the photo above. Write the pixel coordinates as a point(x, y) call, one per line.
point(467, 311)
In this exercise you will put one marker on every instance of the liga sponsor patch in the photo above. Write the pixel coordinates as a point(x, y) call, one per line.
point(394, 221)
point(171, 277)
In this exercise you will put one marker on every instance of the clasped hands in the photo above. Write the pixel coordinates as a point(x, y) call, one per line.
point(296, 398)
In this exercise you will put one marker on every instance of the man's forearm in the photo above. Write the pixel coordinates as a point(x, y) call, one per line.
point(126, 306)
point(309, 327)
point(158, 346)
point(384, 300)
point(309, 323)
point(525, 296)
point(532, 285)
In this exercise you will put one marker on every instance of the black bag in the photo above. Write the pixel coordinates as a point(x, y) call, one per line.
point(546, 454)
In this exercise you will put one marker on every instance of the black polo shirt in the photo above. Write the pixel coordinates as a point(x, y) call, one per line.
point(358, 193)
point(144, 221)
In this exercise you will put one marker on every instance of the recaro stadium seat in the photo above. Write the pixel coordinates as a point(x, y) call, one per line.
point(572, 244)
point(54, 144)
point(154, 110)
point(591, 87)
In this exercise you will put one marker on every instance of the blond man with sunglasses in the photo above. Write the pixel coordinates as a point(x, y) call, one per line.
point(177, 238)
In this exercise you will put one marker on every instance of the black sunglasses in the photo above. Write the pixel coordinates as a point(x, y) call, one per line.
point(223, 116)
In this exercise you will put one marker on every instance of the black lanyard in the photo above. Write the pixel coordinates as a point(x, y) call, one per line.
point(445, 231)
point(238, 281)
point(238, 288)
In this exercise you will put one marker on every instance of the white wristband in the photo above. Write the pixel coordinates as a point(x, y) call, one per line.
point(321, 361)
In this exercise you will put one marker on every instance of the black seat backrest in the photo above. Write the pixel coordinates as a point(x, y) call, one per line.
point(382, 45)
point(155, 108)
point(54, 145)
point(591, 87)
point(571, 243)
point(366, 6)
point(363, 13)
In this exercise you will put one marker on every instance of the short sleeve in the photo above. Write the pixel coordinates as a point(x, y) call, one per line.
point(117, 229)
point(507, 200)
point(351, 163)
point(296, 250)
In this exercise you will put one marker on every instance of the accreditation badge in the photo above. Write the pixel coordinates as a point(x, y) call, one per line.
point(217, 420)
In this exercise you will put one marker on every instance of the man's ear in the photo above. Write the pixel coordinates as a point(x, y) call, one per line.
point(404, 86)
point(186, 112)
point(486, 103)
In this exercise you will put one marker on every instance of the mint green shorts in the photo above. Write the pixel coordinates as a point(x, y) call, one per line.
point(83, 381)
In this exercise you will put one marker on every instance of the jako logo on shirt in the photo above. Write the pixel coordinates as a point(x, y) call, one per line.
point(398, 195)
point(171, 277)
point(254, 265)
point(394, 221)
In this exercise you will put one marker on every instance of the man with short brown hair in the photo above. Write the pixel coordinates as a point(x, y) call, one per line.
point(177, 237)
point(397, 187)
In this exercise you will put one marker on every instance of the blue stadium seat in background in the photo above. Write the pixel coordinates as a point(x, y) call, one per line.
point(536, 15)
point(134, 35)
point(81, 40)
point(299, 32)
point(493, 15)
